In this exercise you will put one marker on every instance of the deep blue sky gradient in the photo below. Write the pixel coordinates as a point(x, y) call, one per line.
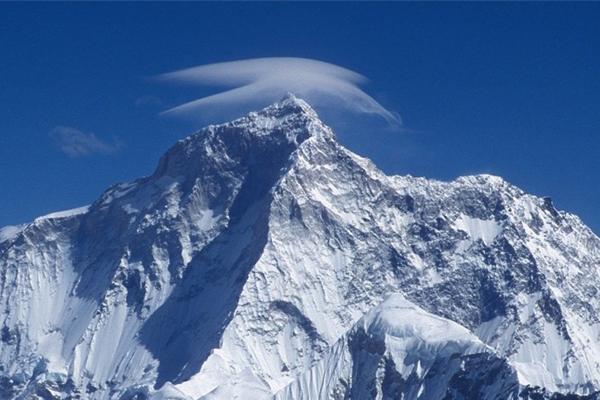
point(508, 89)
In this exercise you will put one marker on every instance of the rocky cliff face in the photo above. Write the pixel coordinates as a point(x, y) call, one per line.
point(264, 260)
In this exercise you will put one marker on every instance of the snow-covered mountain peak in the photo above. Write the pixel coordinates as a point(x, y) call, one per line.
point(484, 179)
point(256, 262)
point(397, 317)
point(291, 104)
point(280, 127)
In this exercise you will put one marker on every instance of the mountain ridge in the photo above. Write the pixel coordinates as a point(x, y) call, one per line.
point(258, 244)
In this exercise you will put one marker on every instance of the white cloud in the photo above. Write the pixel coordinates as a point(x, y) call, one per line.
point(265, 80)
point(76, 143)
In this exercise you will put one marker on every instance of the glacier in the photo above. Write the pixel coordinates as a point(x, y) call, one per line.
point(264, 260)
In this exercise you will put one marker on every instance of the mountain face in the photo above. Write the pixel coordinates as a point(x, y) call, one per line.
point(263, 260)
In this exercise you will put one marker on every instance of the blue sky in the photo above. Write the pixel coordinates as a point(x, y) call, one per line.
point(508, 89)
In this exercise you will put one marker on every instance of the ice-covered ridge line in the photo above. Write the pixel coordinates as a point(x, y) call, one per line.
point(10, 232)
point(406, 338)
point(400, 318)
point(64, 214)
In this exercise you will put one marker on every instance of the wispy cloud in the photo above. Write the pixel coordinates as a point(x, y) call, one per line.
point(76, 143)
point(261, 80)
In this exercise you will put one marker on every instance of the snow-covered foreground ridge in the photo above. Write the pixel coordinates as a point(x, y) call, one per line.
point(263, 260)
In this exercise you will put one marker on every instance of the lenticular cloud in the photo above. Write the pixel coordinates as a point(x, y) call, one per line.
point(262, 80)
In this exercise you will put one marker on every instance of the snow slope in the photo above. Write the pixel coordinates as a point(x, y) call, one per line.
point(398, 350)
point(247, 264)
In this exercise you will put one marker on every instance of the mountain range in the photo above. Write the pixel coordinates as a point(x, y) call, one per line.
point(264, 260)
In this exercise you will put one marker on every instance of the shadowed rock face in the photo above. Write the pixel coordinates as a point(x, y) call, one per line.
point(256, 247)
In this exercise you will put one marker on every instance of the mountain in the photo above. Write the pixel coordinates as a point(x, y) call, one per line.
point(263, 260)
